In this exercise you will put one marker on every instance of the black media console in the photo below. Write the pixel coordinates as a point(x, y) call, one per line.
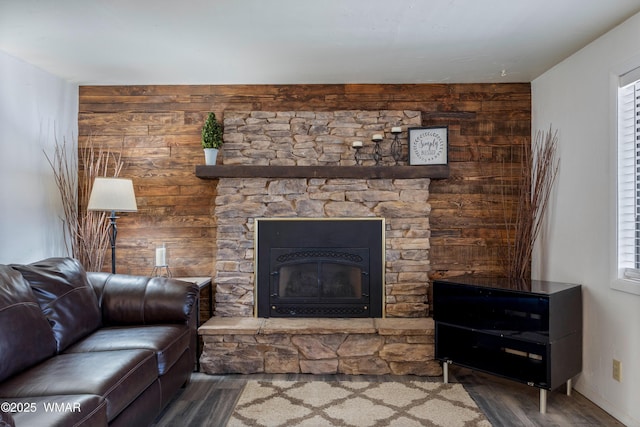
point(529, 332)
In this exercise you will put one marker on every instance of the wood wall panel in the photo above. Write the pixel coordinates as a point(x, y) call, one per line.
point(158, 129)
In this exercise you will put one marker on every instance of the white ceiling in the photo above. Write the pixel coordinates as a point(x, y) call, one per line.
point(122, 42)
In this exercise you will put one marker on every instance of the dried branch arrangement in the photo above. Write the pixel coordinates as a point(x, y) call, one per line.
point(523, 230)
point(86, 233)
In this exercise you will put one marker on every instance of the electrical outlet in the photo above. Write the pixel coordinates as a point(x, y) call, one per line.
point(617, 370)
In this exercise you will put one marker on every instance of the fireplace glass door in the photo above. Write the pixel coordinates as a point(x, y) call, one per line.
point(308, 281)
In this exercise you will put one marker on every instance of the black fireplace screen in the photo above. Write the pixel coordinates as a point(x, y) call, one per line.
point(319, 280)
point(317, 275)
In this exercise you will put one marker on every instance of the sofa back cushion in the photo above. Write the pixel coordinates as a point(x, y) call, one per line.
point(65, 297)
point(25, 335)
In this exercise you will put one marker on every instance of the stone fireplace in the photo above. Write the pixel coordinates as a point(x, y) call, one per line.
point(245, 336)
point(304, 138)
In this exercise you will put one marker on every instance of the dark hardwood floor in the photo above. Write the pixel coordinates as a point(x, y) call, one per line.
point(209, 400)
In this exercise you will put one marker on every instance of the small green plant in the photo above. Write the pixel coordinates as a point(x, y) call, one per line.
point(212, 132)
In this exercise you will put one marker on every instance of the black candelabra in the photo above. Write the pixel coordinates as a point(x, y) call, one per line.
point(377, 150)
point(396, 145)
point(376, 155)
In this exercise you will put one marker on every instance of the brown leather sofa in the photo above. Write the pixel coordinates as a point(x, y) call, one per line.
point(91, 349)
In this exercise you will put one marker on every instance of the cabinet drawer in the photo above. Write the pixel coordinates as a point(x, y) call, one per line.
point(519, 360)
point(484, 308)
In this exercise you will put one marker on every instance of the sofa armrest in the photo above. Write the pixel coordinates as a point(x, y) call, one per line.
point(126, 299)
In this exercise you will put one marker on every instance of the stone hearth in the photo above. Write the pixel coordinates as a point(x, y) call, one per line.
point(319, 346)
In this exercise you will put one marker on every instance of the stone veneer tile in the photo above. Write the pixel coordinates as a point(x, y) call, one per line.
point(231, 326)
point(318, 326)
point(319, 367)
point(405, 326)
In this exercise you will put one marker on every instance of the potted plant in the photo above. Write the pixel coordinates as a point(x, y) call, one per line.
point(211, 139)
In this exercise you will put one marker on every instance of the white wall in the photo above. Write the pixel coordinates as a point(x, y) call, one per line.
point(578, 98)
point(32, 104)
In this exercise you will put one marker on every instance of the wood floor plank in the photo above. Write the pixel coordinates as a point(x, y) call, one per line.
point(209, 400)
point(508, 403)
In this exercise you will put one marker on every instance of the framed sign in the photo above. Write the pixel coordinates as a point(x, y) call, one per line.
point(428, 145)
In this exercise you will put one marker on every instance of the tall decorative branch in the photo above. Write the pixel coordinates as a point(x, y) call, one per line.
point(86, 233)
point(533, 201)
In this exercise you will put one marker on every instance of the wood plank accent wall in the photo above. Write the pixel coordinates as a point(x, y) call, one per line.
point(158, 129)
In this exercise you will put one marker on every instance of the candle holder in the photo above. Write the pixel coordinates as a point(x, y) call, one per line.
point(357, 145)
point(377, 150)
point(396, 145)
point(161, 269)
point(356, 155)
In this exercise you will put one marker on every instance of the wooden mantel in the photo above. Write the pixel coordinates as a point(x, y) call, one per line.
point(356, 172)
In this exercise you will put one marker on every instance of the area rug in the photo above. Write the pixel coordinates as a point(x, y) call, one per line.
point(358, 404)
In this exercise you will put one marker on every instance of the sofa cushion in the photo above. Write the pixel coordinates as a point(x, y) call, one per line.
point(25, 335)
point(168, 342)
point(145, 409)
point(118, 376)
point(86, 410)
point(65, 297)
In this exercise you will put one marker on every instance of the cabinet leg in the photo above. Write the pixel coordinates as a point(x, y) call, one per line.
point(445, 371)
point(543, 401)
point(569, 387)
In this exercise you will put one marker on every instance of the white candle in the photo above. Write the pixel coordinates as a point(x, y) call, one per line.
point(356, 144)
point(396, 129)
point(376, 137)
point(161, 256)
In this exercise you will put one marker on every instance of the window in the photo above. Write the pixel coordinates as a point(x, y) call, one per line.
point(629, 177)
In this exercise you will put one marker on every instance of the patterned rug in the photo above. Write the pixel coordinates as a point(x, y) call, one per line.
point(345, 403)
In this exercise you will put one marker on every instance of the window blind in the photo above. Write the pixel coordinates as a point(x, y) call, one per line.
point(629, 177)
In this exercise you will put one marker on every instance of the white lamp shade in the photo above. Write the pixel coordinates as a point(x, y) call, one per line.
point(112, 194)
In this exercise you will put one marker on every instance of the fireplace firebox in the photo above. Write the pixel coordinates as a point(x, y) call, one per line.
point(319, 267)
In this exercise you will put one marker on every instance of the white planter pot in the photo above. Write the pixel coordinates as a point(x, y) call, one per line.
point(210, 156)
